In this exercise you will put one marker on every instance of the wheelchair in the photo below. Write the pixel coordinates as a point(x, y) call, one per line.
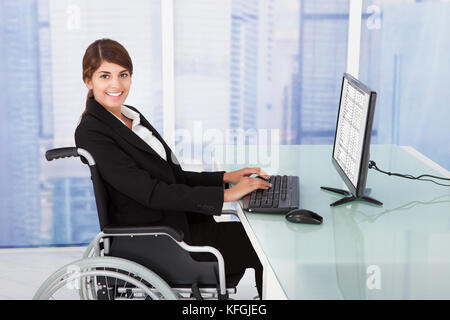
point(169, 271)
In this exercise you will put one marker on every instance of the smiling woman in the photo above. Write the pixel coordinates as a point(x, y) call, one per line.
point(107, 71)
point(143, 184)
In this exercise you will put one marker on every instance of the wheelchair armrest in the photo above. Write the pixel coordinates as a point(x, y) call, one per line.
point(230, 212)
point(115, 230)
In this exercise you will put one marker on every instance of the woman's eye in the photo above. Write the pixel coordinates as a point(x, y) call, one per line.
point(106, 76)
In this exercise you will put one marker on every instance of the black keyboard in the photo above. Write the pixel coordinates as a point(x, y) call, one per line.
point(282, 197)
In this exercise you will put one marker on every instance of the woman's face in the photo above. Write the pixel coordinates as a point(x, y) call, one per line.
point(111, 84)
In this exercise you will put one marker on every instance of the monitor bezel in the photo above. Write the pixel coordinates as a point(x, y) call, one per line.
point(359, 189)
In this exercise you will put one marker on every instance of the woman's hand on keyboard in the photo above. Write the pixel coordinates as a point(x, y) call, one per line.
point(235, 177)
point(244, 187)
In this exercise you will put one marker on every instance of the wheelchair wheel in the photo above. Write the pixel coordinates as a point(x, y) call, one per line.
point(104, 278)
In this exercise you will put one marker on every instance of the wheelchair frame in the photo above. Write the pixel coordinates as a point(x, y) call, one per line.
point(93, 254)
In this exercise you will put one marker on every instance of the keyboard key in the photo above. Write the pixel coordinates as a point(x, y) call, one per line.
point(277, 183)
point(253, 197)
point(284, 182)
point(267, 203)
point(275, 203)
point(259, 194)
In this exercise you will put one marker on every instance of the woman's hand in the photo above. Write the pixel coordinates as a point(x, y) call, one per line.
point(245, 186)
point(235, 176)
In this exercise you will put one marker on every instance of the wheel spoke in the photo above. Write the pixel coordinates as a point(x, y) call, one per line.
point(125, 278)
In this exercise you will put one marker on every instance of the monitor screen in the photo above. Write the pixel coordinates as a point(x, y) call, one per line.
point(351, 128)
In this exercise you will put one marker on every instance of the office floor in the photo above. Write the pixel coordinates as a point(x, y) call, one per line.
point(23, 270)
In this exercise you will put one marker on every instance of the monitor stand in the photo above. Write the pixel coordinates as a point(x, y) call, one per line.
point(350, 197)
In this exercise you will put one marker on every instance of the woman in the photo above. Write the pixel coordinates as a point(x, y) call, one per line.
point(144, 184)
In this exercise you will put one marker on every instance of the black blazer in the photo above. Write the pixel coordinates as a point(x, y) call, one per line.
point(145, 189)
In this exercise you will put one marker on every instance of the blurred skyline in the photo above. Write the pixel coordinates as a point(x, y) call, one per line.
point(251, 65)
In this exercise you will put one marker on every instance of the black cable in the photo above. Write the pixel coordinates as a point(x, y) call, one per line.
point(429, 175)
point(373, 165)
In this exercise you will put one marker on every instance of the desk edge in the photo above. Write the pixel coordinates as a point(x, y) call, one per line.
point(426, 160)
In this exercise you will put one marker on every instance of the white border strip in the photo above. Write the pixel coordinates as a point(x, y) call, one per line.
point(427, 161)
point(354, 37)
point(168, 72)
point(80, 249)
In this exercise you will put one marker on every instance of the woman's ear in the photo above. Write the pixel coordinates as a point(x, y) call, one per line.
point(88, 83)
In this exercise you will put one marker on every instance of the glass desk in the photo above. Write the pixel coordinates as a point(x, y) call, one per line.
point(398, 251)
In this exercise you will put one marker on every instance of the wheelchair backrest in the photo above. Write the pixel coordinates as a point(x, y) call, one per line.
point(100, 193)
point(101, 197)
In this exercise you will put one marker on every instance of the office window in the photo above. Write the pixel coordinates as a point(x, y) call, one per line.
point(321, 63)
point(240, 66)
point(42, 44)
point(250, 65)
point(404, 57)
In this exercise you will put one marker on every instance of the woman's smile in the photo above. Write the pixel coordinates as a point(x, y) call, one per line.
point(115, 95)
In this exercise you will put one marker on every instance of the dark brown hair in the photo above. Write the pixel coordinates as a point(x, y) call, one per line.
point(104, 50)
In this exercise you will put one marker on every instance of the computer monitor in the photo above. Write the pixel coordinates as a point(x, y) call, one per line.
point(352, 140)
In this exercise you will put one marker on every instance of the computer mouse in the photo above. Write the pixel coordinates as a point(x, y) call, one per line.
point(303, 216)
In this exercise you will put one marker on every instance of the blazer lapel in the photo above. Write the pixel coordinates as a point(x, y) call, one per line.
point(98, 111)
point(169, 154)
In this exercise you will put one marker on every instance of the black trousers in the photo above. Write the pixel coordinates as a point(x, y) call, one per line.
point(234, 245)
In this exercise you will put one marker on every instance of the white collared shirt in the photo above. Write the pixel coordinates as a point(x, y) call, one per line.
point(142, 132)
